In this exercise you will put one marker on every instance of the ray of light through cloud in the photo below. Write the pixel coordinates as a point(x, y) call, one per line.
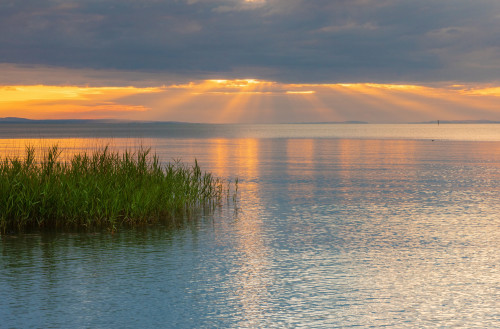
point(252, 100)
point(251, 60)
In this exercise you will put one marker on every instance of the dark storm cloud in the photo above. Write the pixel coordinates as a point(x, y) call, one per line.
point(287, 40)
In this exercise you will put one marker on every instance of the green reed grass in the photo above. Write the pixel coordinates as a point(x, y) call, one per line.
point(99, 189)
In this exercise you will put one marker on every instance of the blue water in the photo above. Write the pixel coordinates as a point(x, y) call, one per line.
point(382, 229)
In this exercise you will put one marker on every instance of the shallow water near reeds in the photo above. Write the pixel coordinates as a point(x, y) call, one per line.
point(334, 226)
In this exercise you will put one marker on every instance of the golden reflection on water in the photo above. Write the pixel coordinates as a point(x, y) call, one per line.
point(417, 241)
point(220, 154)
point(68, 146)
point(230, 158)
point(251, 282)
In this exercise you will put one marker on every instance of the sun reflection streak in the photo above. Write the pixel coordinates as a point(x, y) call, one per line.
point(241, 157)
point(252, 280)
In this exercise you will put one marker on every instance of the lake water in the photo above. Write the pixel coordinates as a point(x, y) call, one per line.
point(335, 226)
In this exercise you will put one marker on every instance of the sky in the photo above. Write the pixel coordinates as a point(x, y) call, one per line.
point(256, 61)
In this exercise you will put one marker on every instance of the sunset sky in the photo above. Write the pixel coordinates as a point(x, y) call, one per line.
point(224, 61)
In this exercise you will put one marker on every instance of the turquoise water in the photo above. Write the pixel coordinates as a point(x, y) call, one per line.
point(393, 226)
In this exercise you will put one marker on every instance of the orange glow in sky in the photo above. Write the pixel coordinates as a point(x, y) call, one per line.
point(62, 102)
point(251, 100)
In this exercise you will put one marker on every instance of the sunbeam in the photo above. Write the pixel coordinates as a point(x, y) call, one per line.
point(255, 101)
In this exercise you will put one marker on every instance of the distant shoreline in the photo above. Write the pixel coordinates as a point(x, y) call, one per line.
point(16, 120)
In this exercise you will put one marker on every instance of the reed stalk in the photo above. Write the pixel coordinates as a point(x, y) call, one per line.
point(100, 189)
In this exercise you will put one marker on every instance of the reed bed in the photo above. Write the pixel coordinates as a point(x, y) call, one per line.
point(99, 189)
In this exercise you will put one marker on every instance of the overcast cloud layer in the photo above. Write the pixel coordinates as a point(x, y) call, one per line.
point(280, 40)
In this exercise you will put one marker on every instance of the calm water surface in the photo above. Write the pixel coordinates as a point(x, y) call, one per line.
point(394, 226)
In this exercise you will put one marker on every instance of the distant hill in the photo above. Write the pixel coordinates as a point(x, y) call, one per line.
point(14, 120)
point(24, 120)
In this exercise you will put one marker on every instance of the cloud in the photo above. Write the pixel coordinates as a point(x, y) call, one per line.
point(13, 74)
point(279, 40)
